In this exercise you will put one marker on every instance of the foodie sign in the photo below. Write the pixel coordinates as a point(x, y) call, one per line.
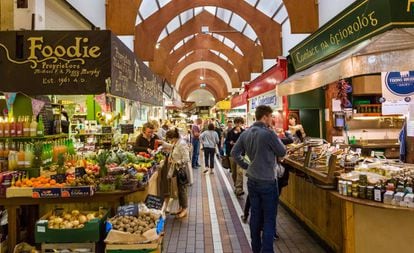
point(361, 20)
point(54, 62)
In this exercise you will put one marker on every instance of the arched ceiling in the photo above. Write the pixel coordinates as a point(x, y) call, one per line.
point(240, 35)
point(207, 55)
point(194, 78)
point(202, 97)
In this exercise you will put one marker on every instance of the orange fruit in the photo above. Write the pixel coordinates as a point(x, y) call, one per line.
point(18, 183)
point(30, 183)
point(52, 182)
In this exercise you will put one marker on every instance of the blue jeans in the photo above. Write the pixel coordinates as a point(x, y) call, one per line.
point(264, 198)
point(209, 157)
point(196, 152)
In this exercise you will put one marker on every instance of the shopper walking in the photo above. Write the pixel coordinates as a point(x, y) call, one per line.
point(262, 147)
point(178, 168)
point(210, 140)
point(195, 141)
point(236, 171)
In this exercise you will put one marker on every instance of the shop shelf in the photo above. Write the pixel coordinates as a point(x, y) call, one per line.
point(25, 138)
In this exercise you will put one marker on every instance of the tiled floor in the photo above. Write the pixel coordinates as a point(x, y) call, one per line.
point(213, 223)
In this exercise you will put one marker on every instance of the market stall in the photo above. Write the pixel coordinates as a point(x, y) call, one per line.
point(261, 91)
point(238, 106)
point(355, 200)
point(41, 170)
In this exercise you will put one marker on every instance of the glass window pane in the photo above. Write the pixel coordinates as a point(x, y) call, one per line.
point(224, 14)
point(218, 36)
point(181, 59)
point(173, 25)
point(179, 44)
point(237, 22)
point(237, 49)
point(251, 2)
point(268, 7)
point(163, 35)
point(147, 8)
point(198, 10)
point(249, 32)
point(229, 43)
point(163, 2)
point(211, 9)
point(281, 15)
point(186, 16)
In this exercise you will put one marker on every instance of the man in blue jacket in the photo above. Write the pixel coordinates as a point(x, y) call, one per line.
point(262, 146)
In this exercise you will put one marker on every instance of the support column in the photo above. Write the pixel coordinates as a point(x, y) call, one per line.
point(6, 15)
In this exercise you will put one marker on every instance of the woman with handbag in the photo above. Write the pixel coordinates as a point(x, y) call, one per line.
point(177, 168)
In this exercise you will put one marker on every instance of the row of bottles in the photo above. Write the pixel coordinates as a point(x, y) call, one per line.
point(22, 127)
point(19, 155)
point(15, 155)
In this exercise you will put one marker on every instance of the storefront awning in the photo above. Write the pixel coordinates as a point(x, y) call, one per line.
point(390, 51)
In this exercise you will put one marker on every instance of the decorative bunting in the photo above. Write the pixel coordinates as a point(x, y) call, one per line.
point(10, 97)
point(37, 106)
point(101, 100)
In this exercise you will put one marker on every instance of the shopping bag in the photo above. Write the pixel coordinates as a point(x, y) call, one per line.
point(225, 162)
point(173, 206)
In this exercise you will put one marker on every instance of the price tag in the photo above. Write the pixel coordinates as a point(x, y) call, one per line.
point(128, 210)
point(154, 202)
point(80, 171)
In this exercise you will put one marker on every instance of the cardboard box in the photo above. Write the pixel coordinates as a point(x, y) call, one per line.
point(15, 192)
point(77, 191)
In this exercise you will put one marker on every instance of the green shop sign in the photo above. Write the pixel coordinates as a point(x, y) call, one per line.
point(361, 20)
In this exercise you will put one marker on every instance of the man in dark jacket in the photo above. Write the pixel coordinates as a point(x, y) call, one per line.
point(262, 147)
point(236, 172)
point(146, 140)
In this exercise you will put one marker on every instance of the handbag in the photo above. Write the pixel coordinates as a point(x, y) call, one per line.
point(182, 176)
point(225, 162)
point(279, 170)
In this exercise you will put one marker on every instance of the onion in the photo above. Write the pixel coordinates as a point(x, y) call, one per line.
point(82, 219)
point(67, 216)
point(75, 212)
point(69, 225)
point(58, 220)
point(90, 216)
point(75, 223)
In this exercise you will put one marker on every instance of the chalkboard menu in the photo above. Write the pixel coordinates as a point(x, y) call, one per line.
point(131, 78)
point(167, 89)
point(127, 128)
point(154, 202)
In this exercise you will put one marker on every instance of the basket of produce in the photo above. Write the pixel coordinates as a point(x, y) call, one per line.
point(145, 227)
point(107, 184)
point(74, 226)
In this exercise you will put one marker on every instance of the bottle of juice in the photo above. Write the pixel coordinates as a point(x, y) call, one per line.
point(26, 127)
point(33, 127)
point(19, 126)
point(1, 127)
point(28, 156)
point(12, 128)
point(21, 157)
point(6, 127)
point(40, 128)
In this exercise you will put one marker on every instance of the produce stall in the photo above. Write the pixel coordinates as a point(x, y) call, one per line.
point(350, 201)
point(42, 172)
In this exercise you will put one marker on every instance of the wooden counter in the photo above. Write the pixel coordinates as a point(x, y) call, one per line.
point(349, 224)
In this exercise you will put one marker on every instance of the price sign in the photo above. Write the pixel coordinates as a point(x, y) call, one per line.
point(128, 210)
point(154, 202)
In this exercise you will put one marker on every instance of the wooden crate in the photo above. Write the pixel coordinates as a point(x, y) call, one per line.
point(154, 247)
point(70, 246)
